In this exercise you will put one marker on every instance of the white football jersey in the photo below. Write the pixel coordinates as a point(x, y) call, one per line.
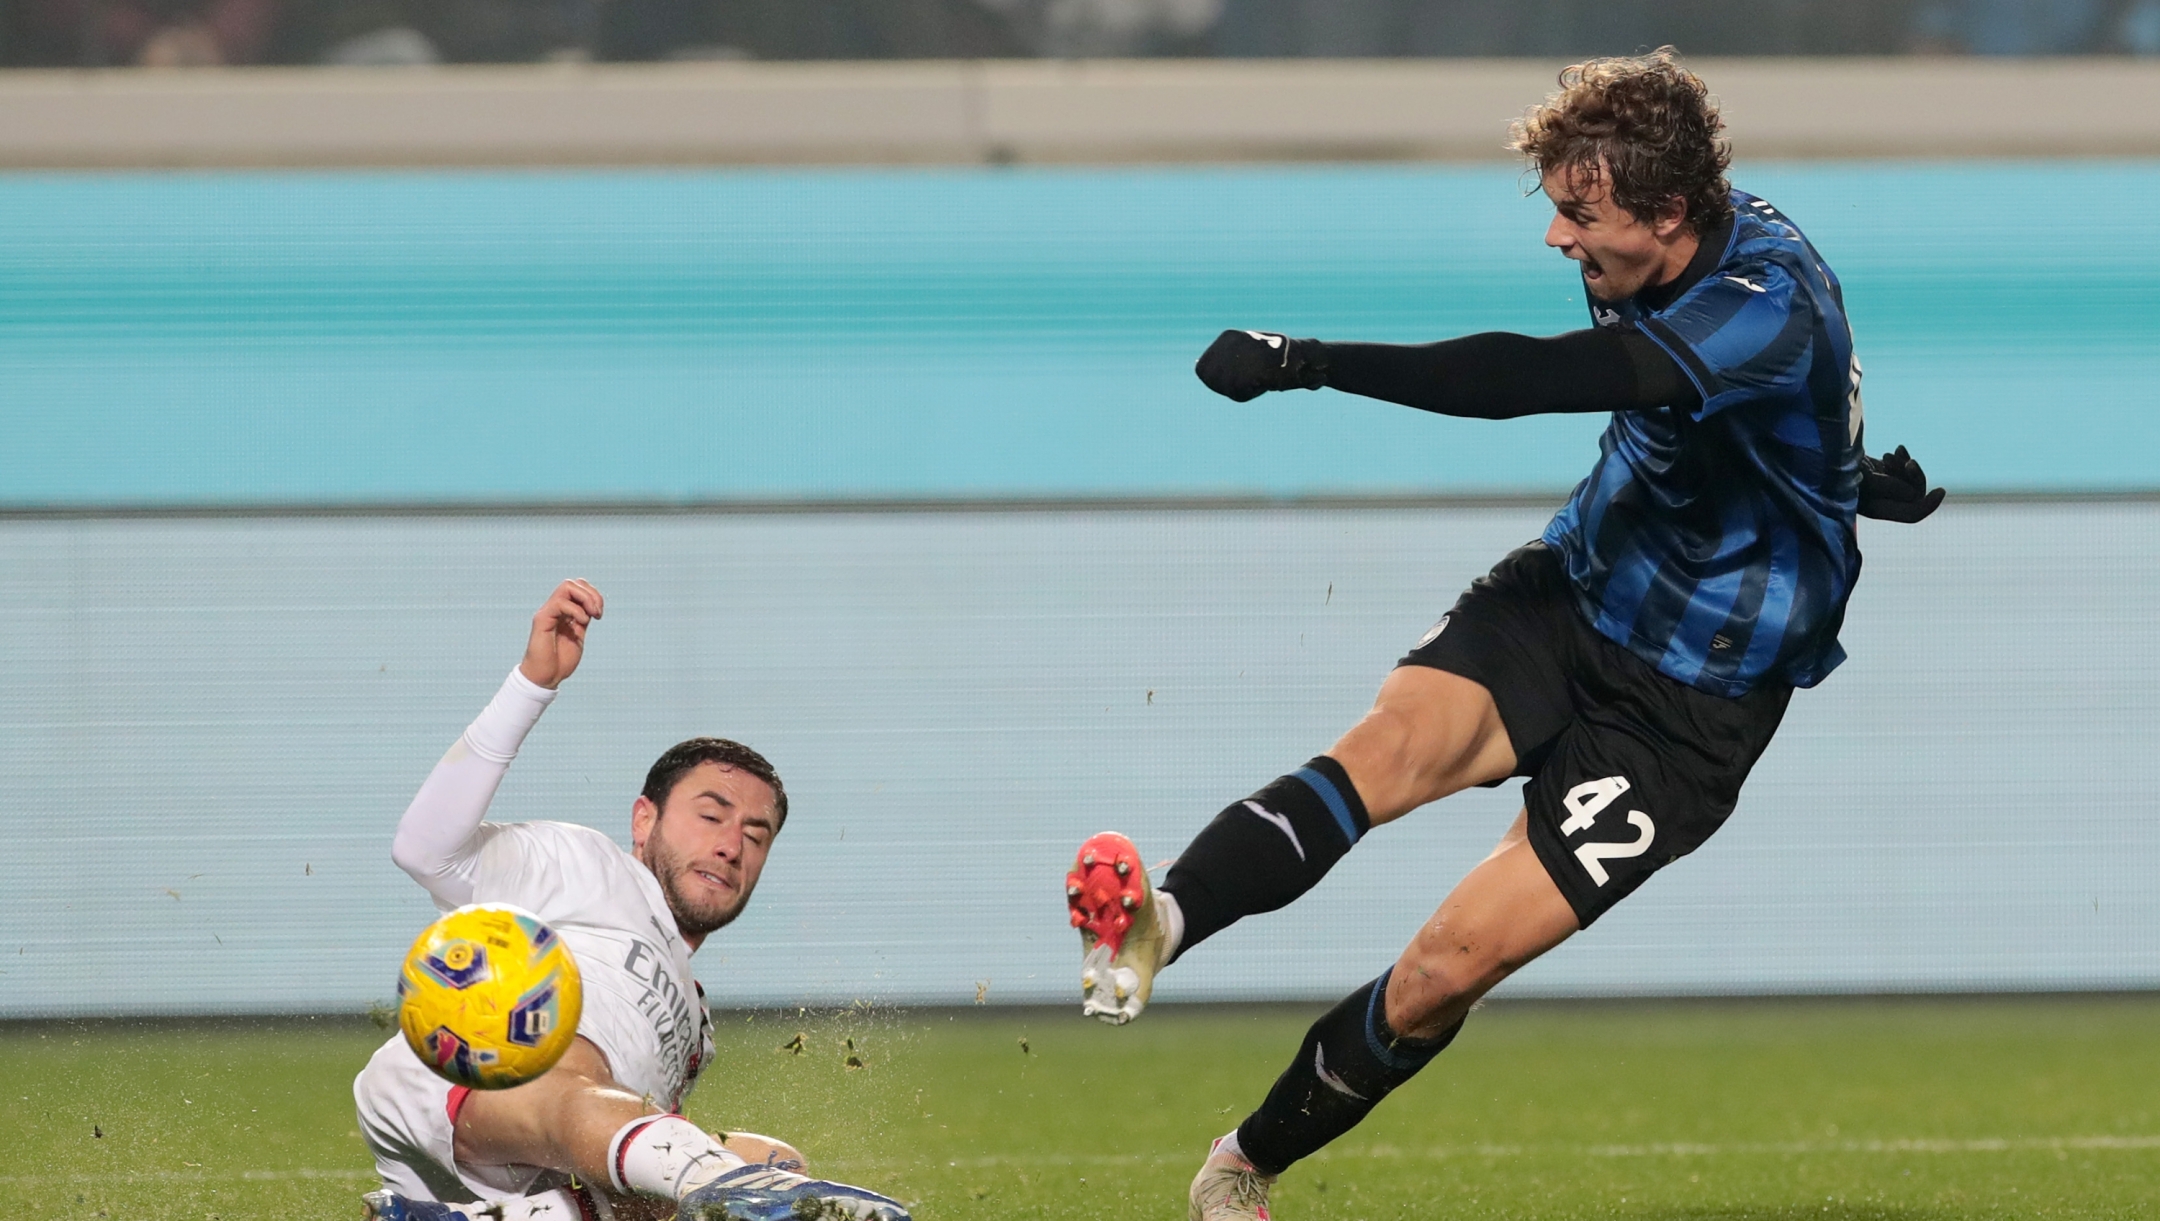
point(643, 1009)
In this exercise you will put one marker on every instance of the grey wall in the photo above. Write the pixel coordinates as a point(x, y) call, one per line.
point(1087, 111)
point(208, 727)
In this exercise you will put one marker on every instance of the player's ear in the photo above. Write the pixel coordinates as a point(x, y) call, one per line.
point(644, 815)
point(1670, 217)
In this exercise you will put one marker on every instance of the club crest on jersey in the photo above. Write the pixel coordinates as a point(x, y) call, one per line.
point(458, 964)
point(1434, 633)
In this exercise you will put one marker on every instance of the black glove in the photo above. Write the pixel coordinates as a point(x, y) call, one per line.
point(1243, 365)
point(1894, 488)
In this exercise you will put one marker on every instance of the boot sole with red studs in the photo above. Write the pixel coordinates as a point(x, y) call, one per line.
point(1111, 903)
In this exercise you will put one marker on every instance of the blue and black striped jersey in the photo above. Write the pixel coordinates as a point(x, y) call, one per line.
point(1717, 543)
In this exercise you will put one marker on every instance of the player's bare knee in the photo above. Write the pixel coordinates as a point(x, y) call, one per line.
point(1427, 986)
point(1408, 751)
point(1425, 999)
point(1378, 748)
point(1444, 972)
point(1397, 761)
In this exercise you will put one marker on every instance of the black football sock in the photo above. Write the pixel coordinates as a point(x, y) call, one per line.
point(1266, 850)
point(1349, 1061)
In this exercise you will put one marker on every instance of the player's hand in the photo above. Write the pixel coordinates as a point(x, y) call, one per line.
point(557, 642)
point(1894, 488)
point(1243, 365)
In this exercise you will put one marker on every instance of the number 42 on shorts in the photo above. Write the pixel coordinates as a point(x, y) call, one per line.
point(1584, 803)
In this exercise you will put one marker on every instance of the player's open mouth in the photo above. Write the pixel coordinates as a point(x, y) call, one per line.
point(711, 880)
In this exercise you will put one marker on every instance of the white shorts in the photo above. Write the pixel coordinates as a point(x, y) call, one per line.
point(408, 1117)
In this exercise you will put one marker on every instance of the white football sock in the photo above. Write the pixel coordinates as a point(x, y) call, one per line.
point(1173, 920)
point(1229, 1145)
point(666, 1155)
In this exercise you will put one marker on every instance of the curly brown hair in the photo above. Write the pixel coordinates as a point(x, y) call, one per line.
point(1642, 122)
point(684, 757)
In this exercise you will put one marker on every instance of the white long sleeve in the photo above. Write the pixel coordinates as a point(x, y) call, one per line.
point(437, 840)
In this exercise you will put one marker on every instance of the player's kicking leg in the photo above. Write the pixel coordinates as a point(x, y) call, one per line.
point(1628, 771)
point(581, 1121)
point(575, 1120)
point(1430, 733)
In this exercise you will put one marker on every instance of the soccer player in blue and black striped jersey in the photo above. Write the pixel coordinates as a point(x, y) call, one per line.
point(1632, 663)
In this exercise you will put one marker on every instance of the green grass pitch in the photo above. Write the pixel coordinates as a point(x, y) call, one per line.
point(1774, 1110)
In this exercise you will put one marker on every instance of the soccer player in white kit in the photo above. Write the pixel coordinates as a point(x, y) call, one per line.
point(596, 1136)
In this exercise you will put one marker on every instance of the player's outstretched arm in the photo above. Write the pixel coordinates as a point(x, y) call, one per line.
point(1493, 376)
point(563, 1119)
point(1499, 376)
point(575, 1118)
point(568, 1117)
point(436, 839)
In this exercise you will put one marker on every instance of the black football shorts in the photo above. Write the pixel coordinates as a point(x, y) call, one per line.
point(1629, 770)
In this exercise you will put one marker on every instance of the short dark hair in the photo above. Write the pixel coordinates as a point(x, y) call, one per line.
point(682, 758)
point(1644, 121)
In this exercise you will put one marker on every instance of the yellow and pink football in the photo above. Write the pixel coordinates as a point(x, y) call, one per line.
point(489, 997)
